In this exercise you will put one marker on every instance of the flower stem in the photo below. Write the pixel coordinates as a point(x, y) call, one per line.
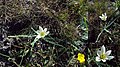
point(105, 27)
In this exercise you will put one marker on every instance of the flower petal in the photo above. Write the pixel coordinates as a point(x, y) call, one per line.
point(104, 14)
point(106, 17)
point(103, 49)
point(47, 33)
point(104, 60)
point(40, 28)
point(98, 53)
point(110, 57)
point(100, 17)
point(45, 30)
point(108, 52)
point(81, 58)
point(38, 31)
point(38, 36)
point(98, 59)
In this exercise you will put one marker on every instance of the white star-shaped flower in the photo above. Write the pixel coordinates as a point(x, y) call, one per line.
point(103, 17)
point(103, 55)
point(41, 33)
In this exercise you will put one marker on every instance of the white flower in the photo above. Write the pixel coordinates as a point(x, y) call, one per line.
point(103, 17)
point(103, 55)
point(42, 32)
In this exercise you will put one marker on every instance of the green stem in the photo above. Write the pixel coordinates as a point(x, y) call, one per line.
point(33, 43)
point(99, 35)
point(22, 56)
point(54, 43)
point(86, 23)
point(22, 36)
point(4, 55)
point(70, 61)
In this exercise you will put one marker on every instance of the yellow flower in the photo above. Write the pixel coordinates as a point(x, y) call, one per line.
point(81, 58)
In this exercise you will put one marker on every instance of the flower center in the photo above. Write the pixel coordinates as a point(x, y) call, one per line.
point(104, 18)
point(102, 56)
point(42, 33)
